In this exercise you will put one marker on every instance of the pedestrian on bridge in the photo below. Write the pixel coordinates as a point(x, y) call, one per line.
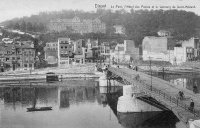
point(195, 90)
point(181, 95)
point(191, 108)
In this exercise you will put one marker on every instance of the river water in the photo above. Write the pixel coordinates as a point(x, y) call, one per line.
point(76, 104)
point(185, 81)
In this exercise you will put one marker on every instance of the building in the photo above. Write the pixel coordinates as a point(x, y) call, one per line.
point(79, 51)
point(119, 29)
point(158, 48)
point(192, 42)
point(125, 52)
point(164, 49)
point(7, 40)
point(92, 52)
point(105, 51)
point(19, 56)
point(189, 50)
point(25, 57)
point(65, 51)
point(1, 33)
point(70, 52)
point(51, 52)
point(164, 33)
point(131, 49)
point(76, 25)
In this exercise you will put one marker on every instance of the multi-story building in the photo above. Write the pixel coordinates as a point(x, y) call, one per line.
point(158, 48)
point(125, 52)
point(51, 52)
point(164, 33)
point(76, 25)
point(25, 57)
point(92, 52)
point(17, 57)
point(78, 45)
point(65, 51)
point(79, 51)
point(105, 51)
point(119, 29)
point(189, 50)
point(131, 49)
point(164, 49)
point(70, 52)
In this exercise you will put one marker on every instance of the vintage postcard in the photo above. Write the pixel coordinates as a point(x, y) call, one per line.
point(99, 64)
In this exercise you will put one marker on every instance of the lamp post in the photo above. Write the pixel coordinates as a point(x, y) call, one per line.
point(150, 71)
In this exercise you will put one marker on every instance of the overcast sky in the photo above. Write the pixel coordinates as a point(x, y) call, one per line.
point(18, 8)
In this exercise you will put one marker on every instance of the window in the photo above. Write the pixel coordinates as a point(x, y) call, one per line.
point(25, 65)
point(30, 65)
point(65, 47)
point(13, 58)
point(61, 47)
point(7, 59)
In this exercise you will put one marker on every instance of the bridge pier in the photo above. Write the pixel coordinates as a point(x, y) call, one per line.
point(161, 91)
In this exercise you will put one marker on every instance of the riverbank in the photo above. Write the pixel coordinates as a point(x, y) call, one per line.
point(187, 67)
point(76, 71)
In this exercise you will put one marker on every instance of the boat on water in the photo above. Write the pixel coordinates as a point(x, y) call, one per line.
point(39, 109)
point(34, 108)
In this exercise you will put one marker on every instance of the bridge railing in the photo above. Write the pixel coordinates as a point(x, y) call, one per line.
point(169, 98)
point(160, 93)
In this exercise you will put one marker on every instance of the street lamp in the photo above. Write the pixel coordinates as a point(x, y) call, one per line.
point(150, 71)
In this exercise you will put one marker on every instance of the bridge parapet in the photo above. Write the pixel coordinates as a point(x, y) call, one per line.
point(170, 101)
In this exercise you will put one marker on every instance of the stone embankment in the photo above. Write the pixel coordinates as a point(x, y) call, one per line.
point(73, 71)
point(187, 67)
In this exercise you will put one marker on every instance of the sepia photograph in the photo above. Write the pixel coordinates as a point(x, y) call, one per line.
point(100, 64)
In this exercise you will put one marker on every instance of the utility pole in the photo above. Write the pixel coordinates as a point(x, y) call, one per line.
point(150, 71)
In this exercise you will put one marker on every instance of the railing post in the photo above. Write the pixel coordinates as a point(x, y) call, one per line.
point(177, 102)
point(170, 99)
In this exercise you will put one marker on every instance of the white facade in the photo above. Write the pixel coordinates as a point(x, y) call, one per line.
point(119, 29)
point(62, 61)
point(193, 43)
point(180, 55)
point(124, 52)
point(162, 56)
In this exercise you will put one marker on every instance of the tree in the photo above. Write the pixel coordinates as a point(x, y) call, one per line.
point(23, 26)
point(17, 26)
point(29, 26)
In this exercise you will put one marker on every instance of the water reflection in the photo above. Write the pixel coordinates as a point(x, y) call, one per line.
point(190, 82)
point(74, 106)
point(150, 119)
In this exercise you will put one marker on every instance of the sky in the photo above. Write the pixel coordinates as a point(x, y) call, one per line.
point(18, 8)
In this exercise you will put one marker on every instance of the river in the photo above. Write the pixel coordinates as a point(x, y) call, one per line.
point(80, 104)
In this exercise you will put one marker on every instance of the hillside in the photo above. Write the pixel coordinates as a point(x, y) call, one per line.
point(183, 25)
